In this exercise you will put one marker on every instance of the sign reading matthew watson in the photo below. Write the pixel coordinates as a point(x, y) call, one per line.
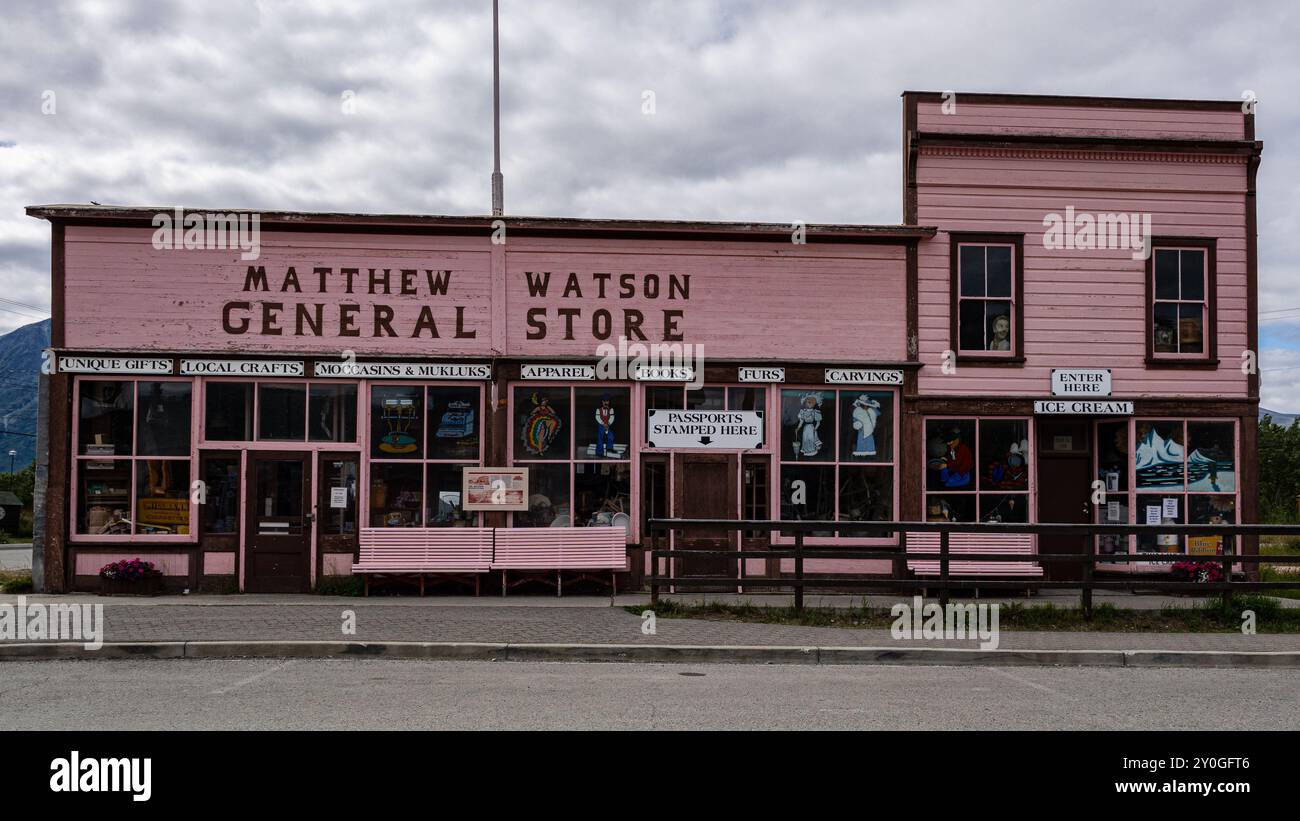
point(716, 430)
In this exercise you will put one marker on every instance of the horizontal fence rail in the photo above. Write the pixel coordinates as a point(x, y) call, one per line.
point(1089, 559)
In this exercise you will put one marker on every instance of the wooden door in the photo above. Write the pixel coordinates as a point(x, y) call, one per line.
point(704, 487)
point(1064, 491)
point(279, 523)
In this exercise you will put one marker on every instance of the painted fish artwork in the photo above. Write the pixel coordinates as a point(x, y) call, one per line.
point(1159, 461)
point(541, 427)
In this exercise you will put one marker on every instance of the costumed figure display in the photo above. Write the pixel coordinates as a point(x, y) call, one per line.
point(541, 427)
point(954, 462)
point(1001, 334)
point(605, 428)
point(806, 441)
point(866, 412)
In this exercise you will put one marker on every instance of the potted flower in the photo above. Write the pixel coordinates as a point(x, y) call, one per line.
point(130, 577)
point(1203, 572)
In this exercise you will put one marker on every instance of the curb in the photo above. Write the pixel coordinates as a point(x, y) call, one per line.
point(654, 653)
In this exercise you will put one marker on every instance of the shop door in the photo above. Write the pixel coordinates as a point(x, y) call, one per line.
point(1064, 491)
point(279, 523)
point(705, 488)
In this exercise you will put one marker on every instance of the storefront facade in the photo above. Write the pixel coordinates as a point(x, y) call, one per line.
point(239, 421)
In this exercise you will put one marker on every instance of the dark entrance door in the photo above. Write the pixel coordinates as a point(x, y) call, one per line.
point(279, 523)
point(705, 488)
point(1064, 490)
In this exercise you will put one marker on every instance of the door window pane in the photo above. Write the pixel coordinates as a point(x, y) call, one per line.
point(395, 493)
point(228, 412)
point(281, 413)
point(602, 423)
point(808, 426)
point(548, 504)
point(541, 423)
point(220, 511)
point(105, 417)
point(162, 496)
point(332, 413)
point(341, 475)
point(163, 418)
point(454, 422)
point(397, 422)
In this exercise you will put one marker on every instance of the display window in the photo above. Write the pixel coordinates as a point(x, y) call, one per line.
point(977, 470)
point(134, 462)
point(576, 443)
point(279, 412)
point(421, 438)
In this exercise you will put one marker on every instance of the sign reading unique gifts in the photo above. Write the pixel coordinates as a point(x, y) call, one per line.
point(714, 430)
point(113, 364)
point(1081, 382)
point(495, 488)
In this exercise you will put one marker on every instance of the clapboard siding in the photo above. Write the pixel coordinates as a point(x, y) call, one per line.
point(1083, 308)
point(1066, 120)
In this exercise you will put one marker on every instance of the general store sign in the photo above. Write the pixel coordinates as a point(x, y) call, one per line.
point(714, 430)
point(1081, 382)
point(403, 370)
point(113, 364)
point(1079, 407)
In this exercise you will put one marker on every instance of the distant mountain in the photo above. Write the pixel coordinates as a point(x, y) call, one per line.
point(1283, 419)
point(20, 368)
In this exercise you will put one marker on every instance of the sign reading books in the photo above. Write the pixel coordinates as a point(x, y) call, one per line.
point(495, 488)
point(714, 430)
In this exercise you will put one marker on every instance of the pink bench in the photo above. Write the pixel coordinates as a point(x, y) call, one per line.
point(583, 550)
point(1010, 544)
point(461, 553)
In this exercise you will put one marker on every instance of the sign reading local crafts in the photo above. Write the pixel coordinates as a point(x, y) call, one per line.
point(233, 367)
point(495, 488)
point(1079, 407)
point(715, 430)
point(1081, 382)
point(560, 372)
point(761, 375)
point(113, 364)
point(862, 376)
point(404, 370)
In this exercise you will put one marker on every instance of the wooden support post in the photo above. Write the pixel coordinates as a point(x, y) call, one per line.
point(798, 571)
point(1085, 598)
point(943, 569)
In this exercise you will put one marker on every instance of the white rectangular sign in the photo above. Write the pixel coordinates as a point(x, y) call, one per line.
point(560, 372)
point(338, 497)
point(113, 364)
point(1078, 407)
point(1083, 382)
point(664, 373)
point(404, 370)
point(761, 375)
point(713, 430)
point(236, 367)
point(862, 376)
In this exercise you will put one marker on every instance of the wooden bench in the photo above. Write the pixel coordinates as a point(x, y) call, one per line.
point(1008, 544)
point(539, 550)
point(461, 553)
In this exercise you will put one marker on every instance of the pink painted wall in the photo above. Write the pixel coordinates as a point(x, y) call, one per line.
point(1082, 308)
point(218, 564)
point(171, 564)
point(1080, 121)
point(338, 564)
point(122, 294)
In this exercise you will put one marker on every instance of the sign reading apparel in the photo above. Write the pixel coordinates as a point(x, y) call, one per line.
point(715, 430)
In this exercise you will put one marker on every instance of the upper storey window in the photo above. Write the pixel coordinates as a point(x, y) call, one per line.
point(1180, 311)
point(987, 294)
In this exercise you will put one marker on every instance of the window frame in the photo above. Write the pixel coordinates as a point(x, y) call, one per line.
point(977, 492)
point(365, 397)
point(190, 459)
point(1016, 355)
point(257, 443)
point(1209, 357)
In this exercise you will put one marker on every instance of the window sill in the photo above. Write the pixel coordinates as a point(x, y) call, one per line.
point(977, 359)
point(1154, 363)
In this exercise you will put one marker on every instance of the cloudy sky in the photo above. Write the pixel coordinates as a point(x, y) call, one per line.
point(782, 111)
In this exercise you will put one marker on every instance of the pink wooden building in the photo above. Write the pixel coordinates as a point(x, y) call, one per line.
point(247, 423)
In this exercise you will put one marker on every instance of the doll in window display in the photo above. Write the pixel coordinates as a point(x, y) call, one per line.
point(805, 430)
point(866, 412)
point(1001, 333)
point(605, 428)
point(1012, 471)
point(541, 426)
point(955, 462)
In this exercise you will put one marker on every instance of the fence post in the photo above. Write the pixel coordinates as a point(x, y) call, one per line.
point(654, 568)
point(1088, 567)
point(943, 569)
point(1229, 550)
point(798, 571)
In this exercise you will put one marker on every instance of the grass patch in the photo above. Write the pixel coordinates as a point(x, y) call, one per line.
point(340, 586)
point(15, 581)
point(1212, 616)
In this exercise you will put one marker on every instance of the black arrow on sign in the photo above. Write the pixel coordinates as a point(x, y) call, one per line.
point(704, 440)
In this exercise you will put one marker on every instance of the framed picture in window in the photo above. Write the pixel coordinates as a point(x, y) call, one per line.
point(495, 488)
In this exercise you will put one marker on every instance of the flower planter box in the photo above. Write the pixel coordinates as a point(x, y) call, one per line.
point(150, 585)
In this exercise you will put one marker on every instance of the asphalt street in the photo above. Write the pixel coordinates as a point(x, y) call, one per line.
point(435, 695)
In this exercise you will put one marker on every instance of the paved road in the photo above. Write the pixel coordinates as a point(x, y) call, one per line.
point(386, 694)
point(15, 557)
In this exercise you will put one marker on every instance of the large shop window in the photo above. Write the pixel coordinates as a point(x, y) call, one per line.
point(1181, 471)
point(575, 443)
point(1180, 318)
point(421, 439)
point(987, 296)
point(133, 457)
point(283, 412)
point(837, 456)
point(977, 470)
